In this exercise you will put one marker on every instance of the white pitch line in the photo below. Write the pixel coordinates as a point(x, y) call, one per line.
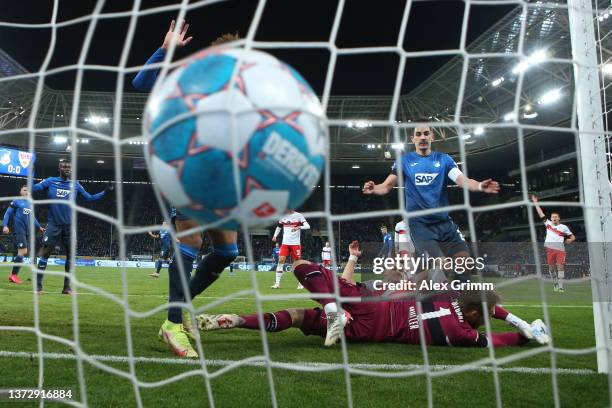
point(310, 364)
point(253, 298)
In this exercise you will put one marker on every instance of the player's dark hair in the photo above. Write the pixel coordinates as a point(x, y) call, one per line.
point(22, 186)
point(225, 38)
point(472, 299)
point(423, 120)
point(64, 161)
point(555, 212)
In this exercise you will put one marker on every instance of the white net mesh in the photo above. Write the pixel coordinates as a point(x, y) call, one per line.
point(498, 85)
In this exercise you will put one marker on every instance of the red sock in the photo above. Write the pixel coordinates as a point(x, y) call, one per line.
point(500, 313)
point(277, 321)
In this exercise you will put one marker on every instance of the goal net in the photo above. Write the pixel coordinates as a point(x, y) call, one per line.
point(518, 91)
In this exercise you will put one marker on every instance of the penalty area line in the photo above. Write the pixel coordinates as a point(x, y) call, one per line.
point(287, 365)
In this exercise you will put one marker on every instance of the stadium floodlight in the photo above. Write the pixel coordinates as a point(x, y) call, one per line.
point(466, 136)
point(96, 120)
point(497, 82)
point(378, 146)
point(550, 97)
point(100, 162)
point(83, 141)
point(60, 139)
point(509, 116)
point(535, 58)
point(397, 146)
point(528, 107)
point(355, 166)
point(479, 131)
point(607, 68)
point(532, 115)
point(349, 124)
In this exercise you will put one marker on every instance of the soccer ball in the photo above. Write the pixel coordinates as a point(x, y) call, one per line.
point(229, 150)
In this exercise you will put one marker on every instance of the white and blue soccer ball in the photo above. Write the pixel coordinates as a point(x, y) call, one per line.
point(235, 150)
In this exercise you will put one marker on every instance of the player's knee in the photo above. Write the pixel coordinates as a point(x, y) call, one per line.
point(227, 251)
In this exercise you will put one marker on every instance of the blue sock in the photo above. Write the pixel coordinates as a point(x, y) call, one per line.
point(210, 268)
point(42, 264)
point(158, 266)
point(186, 255)
point(18, 259)
point(67, 277)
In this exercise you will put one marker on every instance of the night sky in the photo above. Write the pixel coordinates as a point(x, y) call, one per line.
point(432, 25)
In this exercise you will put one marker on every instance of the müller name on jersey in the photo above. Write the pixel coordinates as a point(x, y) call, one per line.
point(430, 285)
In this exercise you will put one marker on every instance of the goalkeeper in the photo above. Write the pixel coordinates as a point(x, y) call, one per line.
point(450, 319)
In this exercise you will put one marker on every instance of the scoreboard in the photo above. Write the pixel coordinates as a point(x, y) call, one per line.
point(15, 162)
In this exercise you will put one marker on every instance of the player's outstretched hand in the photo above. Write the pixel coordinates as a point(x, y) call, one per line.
point(534, 198)
point(354, 248)
point(179, 37)
point(42, 230)
point(110, 187)
point(490, 186)
point(273, 239)
point(368, 187)
point(5, 230)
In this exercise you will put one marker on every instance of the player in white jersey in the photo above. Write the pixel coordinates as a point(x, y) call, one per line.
point(326, 255)
point(403, 242)
point(292, 226)
point(557, 235)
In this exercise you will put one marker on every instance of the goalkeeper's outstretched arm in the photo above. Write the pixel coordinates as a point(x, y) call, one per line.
point(539, 210)
point(349, 269)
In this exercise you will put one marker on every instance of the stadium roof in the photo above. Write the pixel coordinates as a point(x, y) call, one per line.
point(488, 99)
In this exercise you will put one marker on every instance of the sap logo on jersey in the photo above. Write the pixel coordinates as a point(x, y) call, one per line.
point(27, 211)
point(61, 193)
point(424, 179)
point(284, 153)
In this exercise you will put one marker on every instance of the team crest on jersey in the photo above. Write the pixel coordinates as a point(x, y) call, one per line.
point(437, 164)
point(62, 193)
point(25, 159)
point(5, 157)
point(424, 179)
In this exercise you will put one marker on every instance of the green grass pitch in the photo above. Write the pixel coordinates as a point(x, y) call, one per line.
point(102, 332)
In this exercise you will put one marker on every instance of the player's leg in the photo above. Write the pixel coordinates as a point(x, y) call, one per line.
point(317, 279)
point(224, 251)
point(273, 322)
point(21, 242)
point(65, 236)
point(552, 270)
point(284, 252)
point(50, 237)
point(172, 331)
point(560, 270)
point(296, 255)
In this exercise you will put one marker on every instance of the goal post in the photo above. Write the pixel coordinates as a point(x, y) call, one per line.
point(595, 183)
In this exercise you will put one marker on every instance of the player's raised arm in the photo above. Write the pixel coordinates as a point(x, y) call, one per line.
point(41, 186)
point(380, 189)
point(539, 210)
point(145, 79)
point(152, 235)
point(349, 269)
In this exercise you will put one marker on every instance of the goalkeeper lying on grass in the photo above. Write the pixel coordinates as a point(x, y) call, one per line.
point(451, 319)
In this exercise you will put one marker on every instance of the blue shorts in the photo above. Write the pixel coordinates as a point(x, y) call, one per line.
point(437, 240)
point(57, 234)
point(165, 253)
point(20, 239)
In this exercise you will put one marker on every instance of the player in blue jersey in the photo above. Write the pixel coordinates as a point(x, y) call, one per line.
point(19, 212)
point(387, 248)
point(176, 330)
point(425, 176)
point(59, 219)
point(164, 255)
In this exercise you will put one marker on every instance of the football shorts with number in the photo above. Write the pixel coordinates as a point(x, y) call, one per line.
point(294, 250)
